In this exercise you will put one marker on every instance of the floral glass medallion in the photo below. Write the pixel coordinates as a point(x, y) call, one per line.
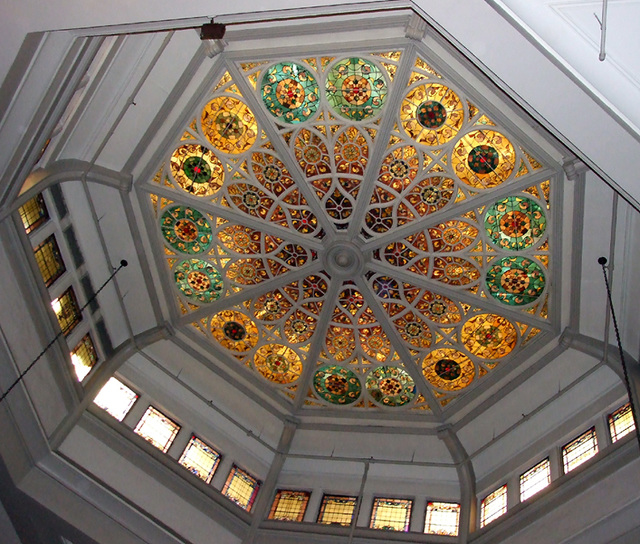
point(337, 385)
point(356, 88)
point(391, 386)
point(290, 92)
point(198, 280)
point(186, 230)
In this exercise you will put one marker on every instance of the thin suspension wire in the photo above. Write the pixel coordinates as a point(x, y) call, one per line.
point(123, 263)
point(603, 261)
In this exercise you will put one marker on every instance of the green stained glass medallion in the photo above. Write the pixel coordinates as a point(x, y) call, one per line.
point(515, 223)
point(515, 281)
point(391, 386)
point(356, 88)
point(198, 280)
point(186, 229)
point(337, 385)
point(483, 159)
point(290, 92)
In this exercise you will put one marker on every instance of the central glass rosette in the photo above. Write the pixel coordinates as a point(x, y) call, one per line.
point(353, 231)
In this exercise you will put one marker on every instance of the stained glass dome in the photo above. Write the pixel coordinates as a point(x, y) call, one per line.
point(355, 232)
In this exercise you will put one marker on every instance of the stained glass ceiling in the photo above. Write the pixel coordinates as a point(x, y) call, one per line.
point(355, 232)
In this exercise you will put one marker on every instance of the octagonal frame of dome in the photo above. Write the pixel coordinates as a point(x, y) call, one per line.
point(532, 170)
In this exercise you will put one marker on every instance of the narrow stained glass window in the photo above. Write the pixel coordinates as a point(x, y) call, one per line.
point(391, 514)
point(621, 422)
point(337, 510)
point(493, 506)
point(157, 429)
point(116, 399)
point(579, 450)
point(67, 310)
point(241, 488)
point(442, 518)
point(33, 213)
point(289, 505)
point(200, 459)
point(84, 357)
point(535, 479)
point(49, 260)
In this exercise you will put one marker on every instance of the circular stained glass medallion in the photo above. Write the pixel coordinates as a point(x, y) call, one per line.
point(432, 114)
point(515, 281)
point(483, 159)
point(196, 169)
point(489, 336)
point(229, 125)
point(391, 386)
point(198, 280)
point(448, 369)
point(234, 330)
point(290, 92)
point(278, 363)
point(356, 88)
point(185, 229)
point(515, 223)
point(336, 384)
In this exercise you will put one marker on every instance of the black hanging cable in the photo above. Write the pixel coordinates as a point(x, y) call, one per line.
point(123, 263)
point(603, 262)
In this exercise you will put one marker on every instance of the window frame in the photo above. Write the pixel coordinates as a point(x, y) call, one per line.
point(235, 469)
point(614, 433)
point(483, 505)
point(156, 444)
point(374, 506)
point(596, 449)
point(546, 461)
point(276, 501)
point(57, 256)
point(216, 463)
point(323, 505)
point(426, 517)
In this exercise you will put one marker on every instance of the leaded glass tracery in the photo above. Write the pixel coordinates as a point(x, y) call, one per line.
point(408, 250)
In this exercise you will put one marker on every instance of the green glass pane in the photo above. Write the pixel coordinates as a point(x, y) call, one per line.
point(290, 92)
point(186, 229)
point(198, 280)
point(391, 386)
point(515, 223)
point(515, 281)
point(356, 89)
point(337, 385)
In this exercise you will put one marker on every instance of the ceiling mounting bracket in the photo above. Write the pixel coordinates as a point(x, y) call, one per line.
point(603, 30)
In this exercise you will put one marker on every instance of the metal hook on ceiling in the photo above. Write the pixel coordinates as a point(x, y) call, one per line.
point(603, 30)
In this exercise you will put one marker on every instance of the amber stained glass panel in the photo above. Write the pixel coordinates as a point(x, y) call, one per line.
point(579, 450)
point(337, 510)
point(241, 488)
point(157, 429)
point(289, 505)
point(33, 213)
point(67, 310)
point(391, 514)
point(535, 479)
point(493, 506)
point(84, 357)
point(49, 260)
point(200, 459)
point(621, 422)
point(442, 518)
